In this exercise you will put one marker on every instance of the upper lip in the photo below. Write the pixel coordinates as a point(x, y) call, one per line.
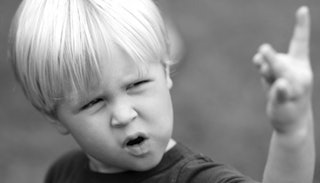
point(134, 136)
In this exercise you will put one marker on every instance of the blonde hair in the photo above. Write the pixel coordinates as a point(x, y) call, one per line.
point(56, 46)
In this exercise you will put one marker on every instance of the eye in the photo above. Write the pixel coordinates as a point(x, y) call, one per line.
point(137, 84)
point(91, 103)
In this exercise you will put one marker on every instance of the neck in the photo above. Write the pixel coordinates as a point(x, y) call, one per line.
point(171, 144)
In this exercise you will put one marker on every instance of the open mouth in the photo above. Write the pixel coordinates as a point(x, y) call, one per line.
point(134, 140)
point(137, 144)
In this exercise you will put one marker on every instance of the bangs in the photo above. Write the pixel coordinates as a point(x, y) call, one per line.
point(59, 44)
point(134, 27)
point(137, 27)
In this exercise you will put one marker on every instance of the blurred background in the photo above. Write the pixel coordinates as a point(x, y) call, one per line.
point(217, 95)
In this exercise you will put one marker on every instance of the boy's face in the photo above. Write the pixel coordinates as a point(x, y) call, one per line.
point(126, 122)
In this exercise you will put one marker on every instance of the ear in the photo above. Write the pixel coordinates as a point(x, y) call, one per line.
point(62, 129)
point(168, 78)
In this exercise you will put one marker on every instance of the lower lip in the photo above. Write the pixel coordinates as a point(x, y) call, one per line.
point(139, 150)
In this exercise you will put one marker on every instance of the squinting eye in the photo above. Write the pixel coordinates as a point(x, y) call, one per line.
point(91, 103)
point(137, 84)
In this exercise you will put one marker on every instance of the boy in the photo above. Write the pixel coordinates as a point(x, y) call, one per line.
point(99, 69)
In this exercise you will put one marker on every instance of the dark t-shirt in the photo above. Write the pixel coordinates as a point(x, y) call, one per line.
point(178, 165)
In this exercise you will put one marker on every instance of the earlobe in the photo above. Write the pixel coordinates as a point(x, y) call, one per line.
point(62, 129)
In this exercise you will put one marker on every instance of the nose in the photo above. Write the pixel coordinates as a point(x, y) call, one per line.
point(122, 114)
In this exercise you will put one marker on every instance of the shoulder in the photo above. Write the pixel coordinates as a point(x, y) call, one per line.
point(201, 168)
point(66, 166)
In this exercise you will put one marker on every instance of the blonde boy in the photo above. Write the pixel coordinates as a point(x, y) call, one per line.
point(99, 69)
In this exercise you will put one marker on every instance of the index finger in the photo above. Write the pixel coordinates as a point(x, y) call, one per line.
point(299, 46)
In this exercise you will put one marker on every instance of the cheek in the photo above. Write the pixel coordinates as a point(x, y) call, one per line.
point(88, 129)
point(158, 107)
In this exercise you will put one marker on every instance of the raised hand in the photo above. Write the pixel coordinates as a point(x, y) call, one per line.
point(288, 78)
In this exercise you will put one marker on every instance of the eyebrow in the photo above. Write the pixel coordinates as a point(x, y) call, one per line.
point(79, 98)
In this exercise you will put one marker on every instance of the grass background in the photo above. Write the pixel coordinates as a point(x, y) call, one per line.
point(218, 100)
